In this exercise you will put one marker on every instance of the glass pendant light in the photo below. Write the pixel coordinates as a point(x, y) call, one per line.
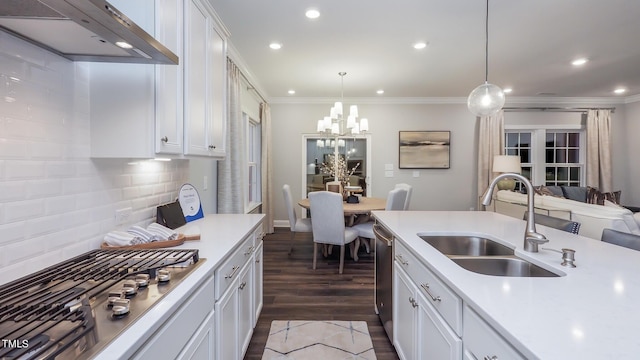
point(486, 99)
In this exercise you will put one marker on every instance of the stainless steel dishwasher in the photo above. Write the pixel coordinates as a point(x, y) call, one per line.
point(384, 277)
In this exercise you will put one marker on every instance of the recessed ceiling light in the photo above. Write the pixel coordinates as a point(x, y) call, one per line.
point(291, 92)
point(275, 46)
point(507, 90)
point(380, 92)
point(620, 90)
point(312, 14)
point(420, 45)
point(578, 62)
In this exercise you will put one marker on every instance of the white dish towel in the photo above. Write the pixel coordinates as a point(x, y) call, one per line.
point(122, 238)
point(164, 232)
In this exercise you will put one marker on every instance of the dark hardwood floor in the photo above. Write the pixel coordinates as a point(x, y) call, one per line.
point(294, 291)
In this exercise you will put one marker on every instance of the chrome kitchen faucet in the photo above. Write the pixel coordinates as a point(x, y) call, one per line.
point(531, 237)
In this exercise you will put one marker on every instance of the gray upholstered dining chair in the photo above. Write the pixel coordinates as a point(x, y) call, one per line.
point(409, 189)
point(297, 225)
point(396, 200)
point(620, 238)
point(556, 223)
point(328, 223)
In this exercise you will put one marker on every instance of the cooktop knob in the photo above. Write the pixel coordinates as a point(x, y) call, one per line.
point(164, 275)
point(142, 280)
point(130, 287)
point(114, 295)
point(120, 307)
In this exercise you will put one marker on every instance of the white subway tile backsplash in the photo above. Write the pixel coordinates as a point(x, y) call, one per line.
point(55, 201)
point(12, 232)
point(24, 169)
point(60, 204)
point(43, 188)
point(13, 149)
point(12, 190)
point(46, 150)
point(22, 210)
point(43, 225)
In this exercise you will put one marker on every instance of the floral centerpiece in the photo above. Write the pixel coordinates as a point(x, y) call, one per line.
point(338, 169)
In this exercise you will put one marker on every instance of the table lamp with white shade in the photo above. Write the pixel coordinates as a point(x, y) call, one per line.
point(507, 164)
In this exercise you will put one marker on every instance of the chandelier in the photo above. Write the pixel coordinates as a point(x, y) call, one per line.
point(486, 99)
point(336, 124)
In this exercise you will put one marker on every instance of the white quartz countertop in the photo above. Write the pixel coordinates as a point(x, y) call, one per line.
point(220, 234)
point(589, 313)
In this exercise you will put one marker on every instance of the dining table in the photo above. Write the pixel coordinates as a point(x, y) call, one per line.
point(364, 206)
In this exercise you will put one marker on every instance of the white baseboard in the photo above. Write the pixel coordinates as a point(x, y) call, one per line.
point(281, 223)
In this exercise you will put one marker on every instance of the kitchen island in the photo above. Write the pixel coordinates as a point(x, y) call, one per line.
point(213, 302)
point(588, 312)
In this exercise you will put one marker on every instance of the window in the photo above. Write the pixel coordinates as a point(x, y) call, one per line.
point(563, 160)
point(552, 157)
point(254, 141)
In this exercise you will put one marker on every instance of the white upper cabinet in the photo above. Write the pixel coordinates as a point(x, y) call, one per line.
point(147, 111)
point(205, 59)
point(169, 93)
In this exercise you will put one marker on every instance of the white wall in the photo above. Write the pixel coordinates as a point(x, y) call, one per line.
point(441, 189)
point(627, 159)
point(434, 189)
point(56, 202)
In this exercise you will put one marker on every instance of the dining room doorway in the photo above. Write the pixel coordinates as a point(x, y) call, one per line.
point(355, 150)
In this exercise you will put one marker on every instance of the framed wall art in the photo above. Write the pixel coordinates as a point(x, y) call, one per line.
point(424, 149)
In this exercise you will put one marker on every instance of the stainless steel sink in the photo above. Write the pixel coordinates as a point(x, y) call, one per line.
point(452, 245)
point(484, 256)
point(502, 266)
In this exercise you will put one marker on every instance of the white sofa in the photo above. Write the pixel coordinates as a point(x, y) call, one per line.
point(592, 217)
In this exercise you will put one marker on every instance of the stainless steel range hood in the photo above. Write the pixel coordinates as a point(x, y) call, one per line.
point(82, 30)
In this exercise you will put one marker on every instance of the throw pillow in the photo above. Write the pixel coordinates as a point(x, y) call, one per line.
point(577, 193)
point(636, 216)
point(545, 191)
point(592, 195)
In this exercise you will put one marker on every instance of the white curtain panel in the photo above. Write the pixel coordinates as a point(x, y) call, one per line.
point(490, 143)
point(599, 149)
point(231, 179)
point(266, 161)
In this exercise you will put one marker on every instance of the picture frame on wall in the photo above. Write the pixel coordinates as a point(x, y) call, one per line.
point(424, 149)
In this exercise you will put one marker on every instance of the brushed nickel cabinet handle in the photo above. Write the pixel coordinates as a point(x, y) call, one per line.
point(426, 288)
point(402, 260)
point(233, 272)
point(165, 139)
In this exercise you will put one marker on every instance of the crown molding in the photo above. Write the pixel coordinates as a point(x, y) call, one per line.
point(574, 101)
point(632, 99)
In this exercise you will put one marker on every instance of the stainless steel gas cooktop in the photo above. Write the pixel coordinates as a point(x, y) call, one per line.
point(75, 308)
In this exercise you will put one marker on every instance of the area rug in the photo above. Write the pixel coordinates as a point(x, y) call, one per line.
point(312, 340)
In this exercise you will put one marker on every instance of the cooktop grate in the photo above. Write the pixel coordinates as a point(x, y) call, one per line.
point(60, 296)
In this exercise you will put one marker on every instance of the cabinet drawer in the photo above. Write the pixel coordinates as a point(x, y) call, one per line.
point(172, 337)
point(481, 341)
point(230, 269)
point(445, 301)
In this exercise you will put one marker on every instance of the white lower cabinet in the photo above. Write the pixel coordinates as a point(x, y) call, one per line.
point(405, 329)
point(419, 331)
point(257, 281)
point(430, 320)
point(481, 341)
point(176, 334)
point(245, 308)
point(202, 344)
point(237, 309)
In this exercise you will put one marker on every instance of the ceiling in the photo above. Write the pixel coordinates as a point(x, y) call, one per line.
point(531, 47)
